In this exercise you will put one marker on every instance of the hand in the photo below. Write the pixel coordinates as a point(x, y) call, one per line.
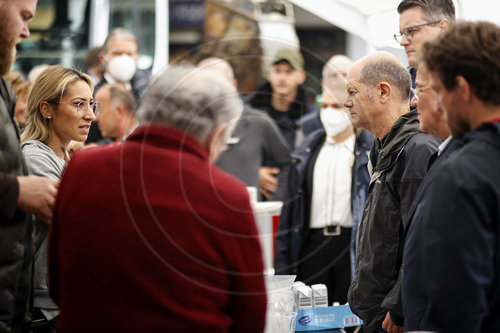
point(267, 181)
point(75, 146)
point(389, 325)
point(37, 195)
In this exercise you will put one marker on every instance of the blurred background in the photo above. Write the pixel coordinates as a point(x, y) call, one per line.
point(247, 33)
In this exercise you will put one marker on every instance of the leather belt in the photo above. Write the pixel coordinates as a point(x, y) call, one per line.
point(332, 230)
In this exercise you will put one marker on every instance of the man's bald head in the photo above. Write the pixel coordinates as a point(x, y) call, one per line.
point(217, 65)
point(384, 67)
point(334, 77)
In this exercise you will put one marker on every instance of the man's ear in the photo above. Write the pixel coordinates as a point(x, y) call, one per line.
point(443, 24)
point(120, 110)
point(216, 141)
point(103, 60)
point(46, 110)
point(463, 88)
point(384, 91)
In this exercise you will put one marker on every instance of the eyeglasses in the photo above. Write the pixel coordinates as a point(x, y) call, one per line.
point(82, 107)
point(408, 32)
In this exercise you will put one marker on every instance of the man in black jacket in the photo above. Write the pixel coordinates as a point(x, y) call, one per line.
point(378, 90)
point(452, 258)
point(289, 103)
point(20, 194)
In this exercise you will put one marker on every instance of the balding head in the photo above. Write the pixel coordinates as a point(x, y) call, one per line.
point(333, 82)
point(378, 88)
point(218, 65)
point(337, 66)
point(385, 67)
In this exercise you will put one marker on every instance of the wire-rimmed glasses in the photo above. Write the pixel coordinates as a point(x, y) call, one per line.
point(408, 32)
point(82, 107)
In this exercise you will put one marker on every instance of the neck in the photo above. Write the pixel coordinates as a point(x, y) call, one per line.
point(282, 102)
point(443, 132)
point(344, 135)
point(127, 126)
point(483, 114)
point(58, 147)
point(386, 120)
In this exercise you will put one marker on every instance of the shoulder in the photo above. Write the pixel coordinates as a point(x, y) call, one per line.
point(256, 115)
point(422, 144)
point(41, 160)
point(416, 154)
point(311, 142)
point(95, 155)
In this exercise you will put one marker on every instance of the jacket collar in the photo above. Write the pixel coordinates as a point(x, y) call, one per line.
point(387, 151)
point(167, 138)
point(489, 132)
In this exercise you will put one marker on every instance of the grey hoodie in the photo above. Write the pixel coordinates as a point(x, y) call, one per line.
point(42, 161)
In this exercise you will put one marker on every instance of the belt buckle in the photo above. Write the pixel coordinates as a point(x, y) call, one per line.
point(331, 230)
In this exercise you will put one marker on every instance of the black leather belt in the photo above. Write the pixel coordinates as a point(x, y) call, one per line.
point(332, 230)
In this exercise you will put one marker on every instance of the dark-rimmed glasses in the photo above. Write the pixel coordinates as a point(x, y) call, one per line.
point(82, 107)
point(408, 32)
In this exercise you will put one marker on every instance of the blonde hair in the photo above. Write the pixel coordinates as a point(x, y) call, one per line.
point(50, 86)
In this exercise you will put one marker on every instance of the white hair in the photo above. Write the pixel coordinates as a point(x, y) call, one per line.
point(191, 100)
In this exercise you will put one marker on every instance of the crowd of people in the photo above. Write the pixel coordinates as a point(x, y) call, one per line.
point(124, 205)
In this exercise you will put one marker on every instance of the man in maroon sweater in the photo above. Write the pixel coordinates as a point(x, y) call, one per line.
point(150, 236)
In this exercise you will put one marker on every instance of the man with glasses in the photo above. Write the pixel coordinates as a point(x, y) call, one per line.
point(420, 21)
point(452, 258)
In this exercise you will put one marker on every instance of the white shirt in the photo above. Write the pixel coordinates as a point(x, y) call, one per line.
point(443, 145)
point(332, 177)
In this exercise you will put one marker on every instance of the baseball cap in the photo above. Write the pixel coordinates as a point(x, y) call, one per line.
point(293, 57)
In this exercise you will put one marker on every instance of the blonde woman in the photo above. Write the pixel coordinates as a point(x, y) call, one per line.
point(60, 109)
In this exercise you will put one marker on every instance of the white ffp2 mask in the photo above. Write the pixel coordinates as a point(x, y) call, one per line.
point(122, 68)
point(334, 121)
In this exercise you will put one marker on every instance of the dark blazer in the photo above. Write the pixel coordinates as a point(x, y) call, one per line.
point(294, 219)
point(452, 252)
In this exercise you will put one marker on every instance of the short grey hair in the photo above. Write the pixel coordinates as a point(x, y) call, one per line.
point(118, 94)
point(118, 33)
point(389, 70)
point(191, 100)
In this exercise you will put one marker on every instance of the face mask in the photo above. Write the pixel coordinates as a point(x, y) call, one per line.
point(334, 121)
point(122, 68)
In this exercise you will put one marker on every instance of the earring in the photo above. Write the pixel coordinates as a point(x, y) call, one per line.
point(48, 117)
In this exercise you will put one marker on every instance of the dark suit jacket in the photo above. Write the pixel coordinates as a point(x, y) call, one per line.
point(149, 236)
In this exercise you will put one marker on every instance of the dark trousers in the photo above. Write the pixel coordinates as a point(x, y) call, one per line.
point(326, 260)
point(42, 325)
